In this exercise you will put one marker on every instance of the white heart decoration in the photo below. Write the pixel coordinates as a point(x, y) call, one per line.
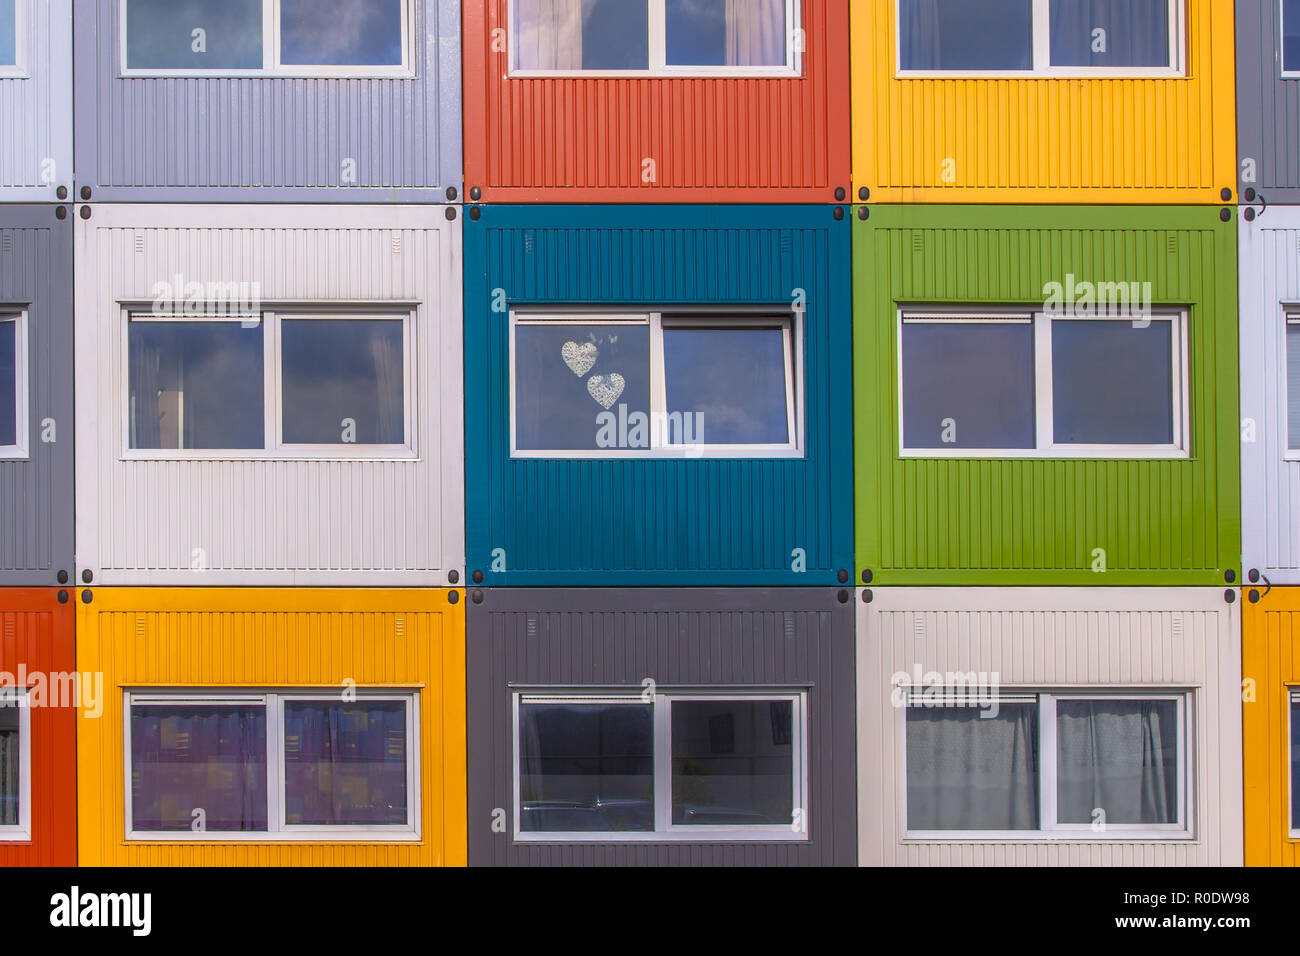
point(579, 358)
point(606, 389)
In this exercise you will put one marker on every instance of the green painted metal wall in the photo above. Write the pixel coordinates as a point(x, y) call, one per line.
point(1003, 521)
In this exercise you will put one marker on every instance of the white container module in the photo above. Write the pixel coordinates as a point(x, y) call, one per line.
point(271, 395)
point(36, 100)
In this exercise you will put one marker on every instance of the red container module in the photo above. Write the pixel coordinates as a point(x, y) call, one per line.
point(580, 101)
point(38, 738)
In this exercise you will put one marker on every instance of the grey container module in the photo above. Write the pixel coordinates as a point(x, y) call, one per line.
point(661, 726)
point(244, 121)
point(36, 465)
point(1268, 100)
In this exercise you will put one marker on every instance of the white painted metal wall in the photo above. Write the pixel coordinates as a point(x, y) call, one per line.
point(1055, 638)
point(1269, 280)
point(271, 522)
point(36, 105)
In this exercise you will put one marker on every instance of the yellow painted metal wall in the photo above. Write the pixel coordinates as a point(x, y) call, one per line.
point(1270, 667)
point(273, 638)
point(1058, 140)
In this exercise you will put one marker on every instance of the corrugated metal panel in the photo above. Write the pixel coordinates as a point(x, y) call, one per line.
point(36, 109)
point(272, 521)
point(1270, 671)
point(273, 638)
point(1270, 483)
point(36, 492)
point(1268, 106)
point(1044, 140)
point(965, 521)
point(278, 139)
point(1183, 638)
point(36, 638)
point(618, 638)
point(701, 521)
point(712, 139)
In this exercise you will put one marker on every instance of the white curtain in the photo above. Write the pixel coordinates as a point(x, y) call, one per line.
point(9, 778)
point(970, 772)
point(755, 32)
point(548, 34)
point(1137, 32)
point(388, 369)
point(920, 36)
point(1120, 757)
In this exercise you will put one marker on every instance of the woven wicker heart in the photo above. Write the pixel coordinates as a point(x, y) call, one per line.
point(606, 389)
point(579, 358)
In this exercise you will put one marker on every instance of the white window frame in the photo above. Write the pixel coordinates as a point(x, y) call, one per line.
point(1292, 702)
point(790, 322)
point(1044, 412)
point(657, 52)
point(22, 832)
point(665, 830)
point(277, 830)
point(274, 448)
point(1049, 829)
point(18, 70)
point(271, 55)
point(1042, 53)
point(20, 450)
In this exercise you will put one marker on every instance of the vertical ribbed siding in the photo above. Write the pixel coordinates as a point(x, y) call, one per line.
point(1044, 639)
point(274, 639)
point(159, 135)
point(1268, 106)
point(36, 147)
point(711, 139)
point(739, 638)
point(962, 521)
point(36, 637)
point(273, 521)
point(36, 493)
point(1270, 669)
point(1044, 140)
point(1270, 280)
point(629, 521)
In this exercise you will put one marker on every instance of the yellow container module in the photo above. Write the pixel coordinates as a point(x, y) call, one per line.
point(268, 727)
point(949, 106)
point(1271, 724)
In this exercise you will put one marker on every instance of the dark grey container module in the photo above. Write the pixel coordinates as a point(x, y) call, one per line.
point(562, 641)
point(1268, 103)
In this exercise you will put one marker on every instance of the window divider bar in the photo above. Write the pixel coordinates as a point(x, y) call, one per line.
point(1044, 424)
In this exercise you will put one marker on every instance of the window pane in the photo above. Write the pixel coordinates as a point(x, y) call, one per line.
point(968, 385)
point(582, 34)
point(342, 381)
point(726, 33)
point(966, 34)
point(586, 767)
point(8, 383)
point(1295, 765)
point(1112, 382)
point(341, 32)
point(1291, 35)
point(1293, 386)
point(191, 757)
point(971, 768)
point(566, 376)
point(733, 762)
point(194, 34)
point(11, 767)
point(1119, 757)
point(345, 764)
point(726, 386)
point(8, 34)
point(1110, 32)
point(196, 385)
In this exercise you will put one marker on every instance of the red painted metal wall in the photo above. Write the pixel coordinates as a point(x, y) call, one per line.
point(712, 139)
point(37, 635)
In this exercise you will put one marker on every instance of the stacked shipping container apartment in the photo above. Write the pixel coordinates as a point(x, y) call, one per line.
point(649, 432)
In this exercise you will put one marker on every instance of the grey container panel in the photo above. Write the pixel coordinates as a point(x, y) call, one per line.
point(268, 139)
point(36, 107)
point(36, 531)
point(616, 638)
point(1268, 106)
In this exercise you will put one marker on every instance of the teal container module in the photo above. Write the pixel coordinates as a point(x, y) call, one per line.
point(658, 395)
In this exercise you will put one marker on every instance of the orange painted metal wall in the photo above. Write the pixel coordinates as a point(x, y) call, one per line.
point(36, 637)
point(712, 139)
